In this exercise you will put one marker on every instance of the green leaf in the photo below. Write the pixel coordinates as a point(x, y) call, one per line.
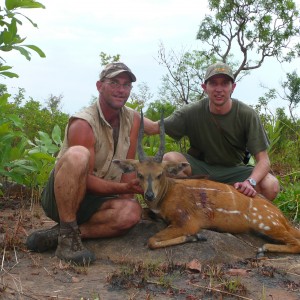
point(9, 74)
point(6, 48)
point(45, 138)
point(36, 49)
point(13, 28)
point(4, 68)
point(41, 156)
point(23, 52)
point(56, 135)
point(7, 37)
point(16, 120)
point(13, 4)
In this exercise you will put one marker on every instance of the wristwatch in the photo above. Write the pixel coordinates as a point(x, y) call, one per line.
point(252, 181)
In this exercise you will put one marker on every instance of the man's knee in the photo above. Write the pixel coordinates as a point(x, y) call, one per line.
point(123, 214)
point(174, 156)
point(270, 187)
point(275, 187)
point(130, 215)
point(76, 156)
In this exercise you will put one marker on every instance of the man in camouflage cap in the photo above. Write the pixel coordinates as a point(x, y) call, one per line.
point(87, 195)
point(113, 69)
point(221, 131)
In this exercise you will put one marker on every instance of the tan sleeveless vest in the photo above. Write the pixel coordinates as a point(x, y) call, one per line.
point(104, 146)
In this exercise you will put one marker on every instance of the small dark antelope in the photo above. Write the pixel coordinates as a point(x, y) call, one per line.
point(189, 205)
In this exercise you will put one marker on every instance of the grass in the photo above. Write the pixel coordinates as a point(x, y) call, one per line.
point(288, 201)
point(164, 278)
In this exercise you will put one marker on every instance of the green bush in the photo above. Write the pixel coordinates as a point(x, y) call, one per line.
point(288, 201)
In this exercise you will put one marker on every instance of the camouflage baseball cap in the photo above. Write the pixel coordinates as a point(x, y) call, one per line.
point(218, 68)
point(113, 69)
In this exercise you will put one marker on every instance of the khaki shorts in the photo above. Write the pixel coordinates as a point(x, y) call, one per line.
point(219, 173)
point(90, 204)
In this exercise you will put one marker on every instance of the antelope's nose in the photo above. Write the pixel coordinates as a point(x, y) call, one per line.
point(149, 196)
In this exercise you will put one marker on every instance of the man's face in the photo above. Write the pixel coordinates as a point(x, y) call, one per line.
point(115, 91)
point(219, 89)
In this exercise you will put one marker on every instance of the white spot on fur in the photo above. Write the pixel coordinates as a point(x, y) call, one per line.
point(207, 189)
point(250, 203)
point(246, 217)
point(254, 208)
point(254, 221)
point(260, 217)
point(254, 214)
point(228, 211)
point(264, 227)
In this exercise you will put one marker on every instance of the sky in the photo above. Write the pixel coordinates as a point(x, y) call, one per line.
point(73, 33)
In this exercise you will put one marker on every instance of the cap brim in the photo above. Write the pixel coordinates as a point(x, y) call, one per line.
point(116, 73)
point(209, 77)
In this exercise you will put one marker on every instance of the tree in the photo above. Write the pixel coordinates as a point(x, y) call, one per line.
point(290, 93)
point(54, 104)
point(242, 33)
point(181, 85)
point(9, 37)
point(106, 58)
point(140, 98)
point(291, 89)
point(252, 30)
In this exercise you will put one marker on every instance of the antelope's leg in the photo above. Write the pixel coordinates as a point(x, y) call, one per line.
point(291, 244)
point(172, 236)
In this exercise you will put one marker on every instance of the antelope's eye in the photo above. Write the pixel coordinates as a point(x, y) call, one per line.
point(140, 176)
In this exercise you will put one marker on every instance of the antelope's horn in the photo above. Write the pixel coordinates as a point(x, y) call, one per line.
point(161, 151)
point(141, 153)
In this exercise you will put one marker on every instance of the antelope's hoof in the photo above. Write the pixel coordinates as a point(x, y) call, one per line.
point(260, 253)
point(201, 238)
point(195, 238)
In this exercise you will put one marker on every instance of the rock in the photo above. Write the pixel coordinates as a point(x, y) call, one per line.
point(219, 247)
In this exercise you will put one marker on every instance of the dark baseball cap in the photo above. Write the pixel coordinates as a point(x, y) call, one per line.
point(113, 69)
point(218, 68)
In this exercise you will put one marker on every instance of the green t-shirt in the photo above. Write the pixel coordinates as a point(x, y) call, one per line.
point(221, 139)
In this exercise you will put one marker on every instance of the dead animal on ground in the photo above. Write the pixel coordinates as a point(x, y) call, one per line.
point(189, 205)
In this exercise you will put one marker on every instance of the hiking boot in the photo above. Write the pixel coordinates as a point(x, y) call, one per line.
point(71, 249)
point(43, 240)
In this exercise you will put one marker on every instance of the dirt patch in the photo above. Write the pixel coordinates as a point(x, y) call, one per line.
point(223, 267)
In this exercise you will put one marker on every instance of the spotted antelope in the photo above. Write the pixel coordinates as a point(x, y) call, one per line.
point(189, 205)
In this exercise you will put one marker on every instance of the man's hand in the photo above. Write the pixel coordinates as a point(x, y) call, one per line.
point(134, 187)
point(245, 188)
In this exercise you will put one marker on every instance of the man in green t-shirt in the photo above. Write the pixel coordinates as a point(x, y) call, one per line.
point(221, 130)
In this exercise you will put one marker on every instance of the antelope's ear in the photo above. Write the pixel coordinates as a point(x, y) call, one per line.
point(173, 168)
point(126, 165)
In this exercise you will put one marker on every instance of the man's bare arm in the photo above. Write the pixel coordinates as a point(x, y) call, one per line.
point(151, 127)
point(81, 133)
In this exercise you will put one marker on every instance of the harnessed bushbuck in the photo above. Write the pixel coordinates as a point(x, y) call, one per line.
point(189, 205)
